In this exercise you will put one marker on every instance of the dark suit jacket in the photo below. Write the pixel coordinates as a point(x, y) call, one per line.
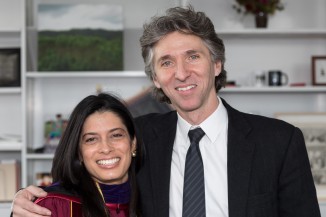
point(268, 168)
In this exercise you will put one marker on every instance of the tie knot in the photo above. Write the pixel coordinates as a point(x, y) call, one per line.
point(195, 135)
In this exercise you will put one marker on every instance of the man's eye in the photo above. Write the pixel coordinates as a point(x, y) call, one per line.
point(194, 57)
point(166, 63)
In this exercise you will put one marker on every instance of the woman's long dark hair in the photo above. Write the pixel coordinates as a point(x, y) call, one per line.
point(73, 175)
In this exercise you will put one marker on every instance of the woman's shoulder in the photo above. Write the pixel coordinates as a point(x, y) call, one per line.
point(60, 189)
point(59, 198)
point(57, 194)
point(59, 201)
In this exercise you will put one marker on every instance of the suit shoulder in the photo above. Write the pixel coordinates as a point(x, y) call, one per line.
point(272, 129)
point(268, 122)
point(255, 121)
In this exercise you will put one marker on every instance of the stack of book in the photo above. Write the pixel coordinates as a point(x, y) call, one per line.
point(9, 179)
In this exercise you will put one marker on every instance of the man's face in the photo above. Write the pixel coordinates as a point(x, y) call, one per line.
point(185, 72)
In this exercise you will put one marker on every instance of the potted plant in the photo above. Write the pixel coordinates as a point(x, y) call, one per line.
point(260, 8)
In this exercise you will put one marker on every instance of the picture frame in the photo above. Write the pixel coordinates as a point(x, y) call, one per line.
point(75, 41)
point(10, 75)
point(318, 70)
point(313, 128)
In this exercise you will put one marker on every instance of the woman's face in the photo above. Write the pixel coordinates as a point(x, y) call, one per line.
point(106, 148)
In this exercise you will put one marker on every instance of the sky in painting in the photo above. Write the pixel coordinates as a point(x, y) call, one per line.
point(67, 16)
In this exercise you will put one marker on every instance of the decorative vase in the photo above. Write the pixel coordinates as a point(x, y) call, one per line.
point(261, 19)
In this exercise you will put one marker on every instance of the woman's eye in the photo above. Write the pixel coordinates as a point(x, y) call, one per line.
point(117, 135)
point(88, 140)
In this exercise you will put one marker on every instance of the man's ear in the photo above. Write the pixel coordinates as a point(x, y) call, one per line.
point(218, 67)
point(156, 83)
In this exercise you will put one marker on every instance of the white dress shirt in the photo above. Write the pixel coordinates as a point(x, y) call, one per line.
point(213, 147)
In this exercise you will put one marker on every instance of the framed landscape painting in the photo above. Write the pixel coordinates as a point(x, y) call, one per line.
point(80, 37)
point(313, 127)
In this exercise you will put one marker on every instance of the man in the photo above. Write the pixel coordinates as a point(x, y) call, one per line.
point(252, 165)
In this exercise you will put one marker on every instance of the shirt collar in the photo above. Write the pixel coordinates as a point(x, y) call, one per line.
point(212, 125)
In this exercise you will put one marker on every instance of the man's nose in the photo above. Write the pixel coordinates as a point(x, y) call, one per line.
point(181, 71)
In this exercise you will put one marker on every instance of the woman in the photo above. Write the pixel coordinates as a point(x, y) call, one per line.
point(94, 165)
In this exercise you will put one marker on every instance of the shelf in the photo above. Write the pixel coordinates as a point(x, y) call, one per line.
point(5, 206)
point(109, 74)
point(273, 32)
point(39, 156)
point(10, 90)
point(10, 146)
point(10, 142)
point(10, 38)
point(307, 89)
point(254, 31)
point(250, 31)
point(10, 30)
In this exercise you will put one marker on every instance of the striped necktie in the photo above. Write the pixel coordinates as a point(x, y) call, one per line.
point(194, 186)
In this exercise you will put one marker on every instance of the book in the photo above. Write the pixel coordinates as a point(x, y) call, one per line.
point(9, 179)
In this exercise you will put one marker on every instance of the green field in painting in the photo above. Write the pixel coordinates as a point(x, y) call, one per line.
point(80, 50)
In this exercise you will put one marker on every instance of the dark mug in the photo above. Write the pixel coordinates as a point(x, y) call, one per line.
point(277, 78)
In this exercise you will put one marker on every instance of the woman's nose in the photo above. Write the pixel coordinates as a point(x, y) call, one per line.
point(106, 147)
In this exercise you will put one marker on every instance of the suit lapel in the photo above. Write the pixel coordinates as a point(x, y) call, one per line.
point(160, 155)
point(240, 153)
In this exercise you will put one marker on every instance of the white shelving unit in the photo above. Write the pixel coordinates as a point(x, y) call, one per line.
point(287, 44)
point(49, 93)
point(285, 49)
point(11, 116)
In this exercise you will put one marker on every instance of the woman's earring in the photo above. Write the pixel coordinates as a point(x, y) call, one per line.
point(134, 154)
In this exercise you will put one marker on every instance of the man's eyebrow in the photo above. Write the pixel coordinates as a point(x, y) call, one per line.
point(168, 56)
point(165, 57)
point(189, 52)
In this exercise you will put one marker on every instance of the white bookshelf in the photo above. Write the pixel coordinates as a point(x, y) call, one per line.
point(287, 44)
